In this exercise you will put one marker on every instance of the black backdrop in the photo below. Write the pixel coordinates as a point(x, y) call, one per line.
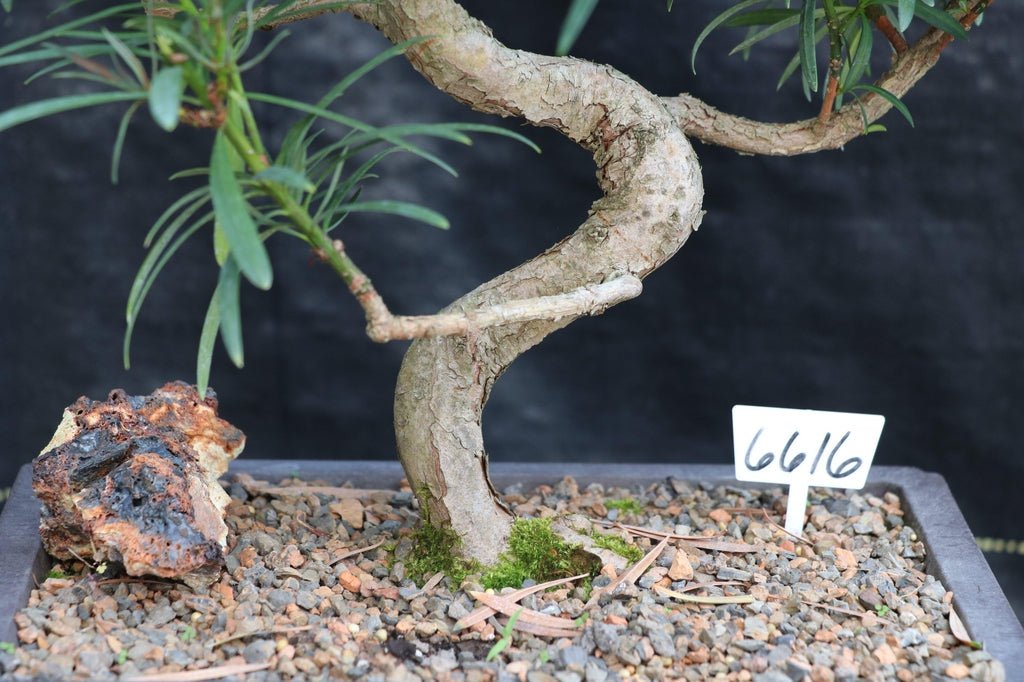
point(885, 278)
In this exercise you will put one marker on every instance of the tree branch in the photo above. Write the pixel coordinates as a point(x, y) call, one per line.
point(707, 124)
point(591, 299)
point(877, 15)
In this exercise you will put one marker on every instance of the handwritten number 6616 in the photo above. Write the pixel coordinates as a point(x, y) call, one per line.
point(844, 469)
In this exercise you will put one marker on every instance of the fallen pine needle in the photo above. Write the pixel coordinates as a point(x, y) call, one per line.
point(215, 673)
point(315, 531)
point(484, 612)
point(429, 585)
point(509, 607)
point(717, 583)
point(764, 512)
point(699, 541)
point(352, 552)
point(848, 612)
point(333, 491)
point(262, 633)
point(543, 631)
point(956, 626)
point(631, 575)
point(694, 599)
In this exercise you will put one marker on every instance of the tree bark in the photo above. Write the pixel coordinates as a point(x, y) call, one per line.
point(652, 196)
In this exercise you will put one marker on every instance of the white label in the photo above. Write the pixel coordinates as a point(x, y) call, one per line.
point(801, 448)
point(827, 449)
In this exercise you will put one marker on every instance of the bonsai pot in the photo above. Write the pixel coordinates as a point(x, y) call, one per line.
point(929, 507)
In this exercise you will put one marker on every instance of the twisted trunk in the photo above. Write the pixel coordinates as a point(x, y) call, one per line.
point(652, 196)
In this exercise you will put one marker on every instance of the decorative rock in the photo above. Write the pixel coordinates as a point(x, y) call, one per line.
point(259, 651)
point(957, 671)
point(730, 573)
point(134, 480)
point(350, 510)
point(681, 568)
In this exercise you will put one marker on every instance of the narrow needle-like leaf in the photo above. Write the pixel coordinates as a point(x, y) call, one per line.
point(230, 311)
point(229, 205)
point(165, 97)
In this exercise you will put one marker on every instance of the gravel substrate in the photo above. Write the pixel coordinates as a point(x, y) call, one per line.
point(850, 603)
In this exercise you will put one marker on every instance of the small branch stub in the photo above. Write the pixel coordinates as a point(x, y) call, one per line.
point(588, 300)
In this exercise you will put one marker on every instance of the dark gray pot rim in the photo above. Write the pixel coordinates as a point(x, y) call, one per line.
point(953, 556)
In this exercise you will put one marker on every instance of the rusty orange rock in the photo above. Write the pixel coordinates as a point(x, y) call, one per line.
point(133, 479)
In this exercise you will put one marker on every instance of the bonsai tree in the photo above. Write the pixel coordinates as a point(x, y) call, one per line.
point(185, 61)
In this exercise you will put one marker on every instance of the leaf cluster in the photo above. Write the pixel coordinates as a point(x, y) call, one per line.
point(185, 60)
point(537, 553)
point(846, 27)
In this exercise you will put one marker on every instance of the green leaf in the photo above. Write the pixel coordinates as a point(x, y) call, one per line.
point(154, 262)
point(761, 17)
point(7, 4)
point(496, 650)
point(165, 97)
point(126, 55)
point(351, 123)
point(47, 107)
point(889, 97)
point(221, 248)
point(193, 196)
point(279, 12)
point(861, 55)
point(233, 216)
point(228, 286)
point(715, 23)
point(575, 19)
point(942, 20)
point(506, 631)
point(265, 52)
point(297, 134)
point(400, 208)
point(808, 55)
point(289, 177)
point(122, 131)
point(9, 48)
point(207, 340)
point(756, 37)
point(905, 13)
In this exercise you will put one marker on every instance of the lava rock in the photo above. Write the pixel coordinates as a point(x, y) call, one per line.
point(134, 480)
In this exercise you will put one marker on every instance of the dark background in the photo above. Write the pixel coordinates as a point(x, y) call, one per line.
point(886, 278)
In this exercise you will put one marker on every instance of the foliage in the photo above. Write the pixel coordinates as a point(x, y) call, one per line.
point(626, 505)
point(436, 549)
point(506, 637)
point(185, 61)
point(8, 647)
point(535, 552)
point(614, 543)
point(847, 26)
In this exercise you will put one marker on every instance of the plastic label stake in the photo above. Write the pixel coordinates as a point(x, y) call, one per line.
point(801, 448)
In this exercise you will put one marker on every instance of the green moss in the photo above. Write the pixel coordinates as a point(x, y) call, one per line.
point(436, 549)
point(537, 553)
point(616, 544)
point(626, 505)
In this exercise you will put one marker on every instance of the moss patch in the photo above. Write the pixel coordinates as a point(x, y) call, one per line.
point(537, 553)
point(626, 505)
point(437, 549)
point(616, 544)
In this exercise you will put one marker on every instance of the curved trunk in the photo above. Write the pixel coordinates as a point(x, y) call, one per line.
point(652, 195)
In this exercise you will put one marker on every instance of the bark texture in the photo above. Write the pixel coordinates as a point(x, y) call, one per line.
point(652, 196)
